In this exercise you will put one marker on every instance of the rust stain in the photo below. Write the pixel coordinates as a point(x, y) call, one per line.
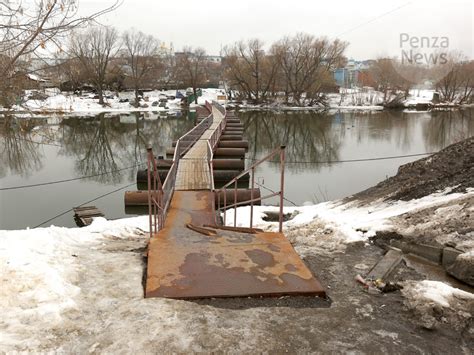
point(185, 264)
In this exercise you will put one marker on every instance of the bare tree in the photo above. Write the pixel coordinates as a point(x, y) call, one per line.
point(191, 68)
point(141, 56)
point(458, 85)
point(32, 27)
point(388, 80)
point(70, 74)
point(94, 48)
point(306, 62)
point(250, 69)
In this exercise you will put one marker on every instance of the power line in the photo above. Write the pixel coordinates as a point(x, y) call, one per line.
point(68, 180)
point(82, 204)
point(375, 18)
point(352, 160)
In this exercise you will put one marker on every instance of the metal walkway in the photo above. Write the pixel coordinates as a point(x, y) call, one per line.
point(184, 262)
point(193, 170)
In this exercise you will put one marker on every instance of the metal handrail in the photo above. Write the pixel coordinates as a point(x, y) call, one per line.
point(155, 195)
point(194, 134)
point(160, 195)
point(219, 107)
point(281, 152)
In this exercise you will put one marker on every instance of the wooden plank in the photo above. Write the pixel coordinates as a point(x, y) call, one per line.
point(205, 231)
point(386, 265)
point(94, 212)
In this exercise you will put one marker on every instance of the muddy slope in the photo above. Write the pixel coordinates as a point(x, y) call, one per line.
point(453, 166)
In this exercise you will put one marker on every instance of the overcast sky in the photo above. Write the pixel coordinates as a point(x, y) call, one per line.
point(372, 27)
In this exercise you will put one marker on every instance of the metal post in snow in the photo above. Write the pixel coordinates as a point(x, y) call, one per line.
point(149, 154)
point(251, 197)
point(282, 186)
point(235, 203)
point(225, 205)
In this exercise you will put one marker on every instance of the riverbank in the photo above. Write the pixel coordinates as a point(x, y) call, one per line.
point(80, 289)
point(62, 103)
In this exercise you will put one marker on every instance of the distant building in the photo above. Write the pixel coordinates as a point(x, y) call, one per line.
point(214, 59)
point(355, 73)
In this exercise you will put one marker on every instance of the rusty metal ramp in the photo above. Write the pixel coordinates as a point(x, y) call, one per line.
point(183, 263)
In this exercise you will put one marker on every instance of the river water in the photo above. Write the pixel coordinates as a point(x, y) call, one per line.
point(318, 146)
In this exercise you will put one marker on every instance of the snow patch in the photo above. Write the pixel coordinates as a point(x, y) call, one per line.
point(435, 291)
point(351, 221)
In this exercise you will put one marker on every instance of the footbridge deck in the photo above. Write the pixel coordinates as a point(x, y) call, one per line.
point(190, 254)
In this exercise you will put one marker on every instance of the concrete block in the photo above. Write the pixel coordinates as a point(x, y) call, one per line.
point(427, 251)
point(449, 256)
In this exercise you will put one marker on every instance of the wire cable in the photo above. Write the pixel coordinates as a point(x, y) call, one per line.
point(82, 204)
point(270, 190)
point(68, 180)
point(352, 160)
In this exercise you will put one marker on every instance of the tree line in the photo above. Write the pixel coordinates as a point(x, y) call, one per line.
point(297, 70)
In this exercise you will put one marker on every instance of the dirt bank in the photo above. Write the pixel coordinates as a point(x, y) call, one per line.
point(452, 167)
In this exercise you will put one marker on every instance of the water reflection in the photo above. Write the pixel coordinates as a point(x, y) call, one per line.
point(308, 137)
point(446, 127)
point(97, 145)
point(19, 155)
point(113, 142)
point(317, 137)
point(78, 146)
point(110, 142)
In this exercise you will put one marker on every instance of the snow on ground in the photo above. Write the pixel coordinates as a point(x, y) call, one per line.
point(419, 97)
point(34, 265)
point(80, 290)
point(435, 302)
point(358, 99)
point(86, 104)
point(349, 222)
point(435, 292)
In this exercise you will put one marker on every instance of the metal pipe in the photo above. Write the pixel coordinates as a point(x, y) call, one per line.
point(232, 137)
point(218, 175)
point(149, 159)
point(235, 208)
point(251, 197)
point(282, 185)
point(234, 144)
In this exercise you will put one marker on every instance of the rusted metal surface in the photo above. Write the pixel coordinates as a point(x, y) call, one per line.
point(234, 144)
point(186, 264)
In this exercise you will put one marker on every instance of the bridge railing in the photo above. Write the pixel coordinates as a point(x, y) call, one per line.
point(160, 195)
point(188, 140)
point(155, 195)
point(219, 107)
point(232, 185)
point(212, 144)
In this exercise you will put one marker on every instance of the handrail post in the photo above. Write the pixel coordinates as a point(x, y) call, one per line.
point(149, 154)
point(282, 186)
point(225, 205)
point(251, 197)
point(155, 210)
point(235, 204)
point(218, 207)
